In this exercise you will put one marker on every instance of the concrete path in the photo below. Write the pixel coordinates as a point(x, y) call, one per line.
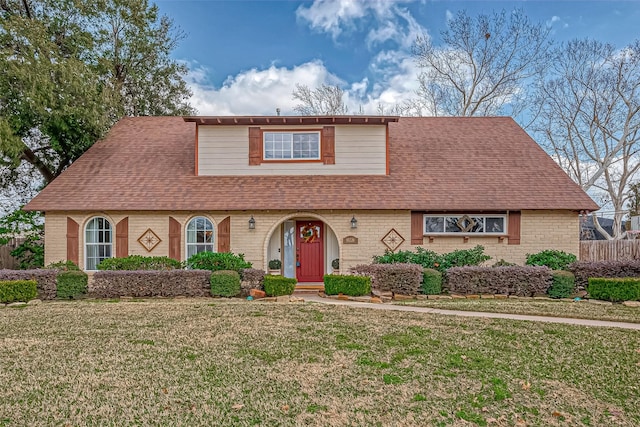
point(394, 307)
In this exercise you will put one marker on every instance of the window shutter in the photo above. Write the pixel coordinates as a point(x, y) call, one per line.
point(514, 228)
point(174, 239)
point(73, 243)
point(329, 145)
point(122, 238)
point(255, 146)
point(224, 235)
point(417, 229)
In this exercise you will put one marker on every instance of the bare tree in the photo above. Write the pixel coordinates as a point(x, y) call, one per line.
point(590, 119)
point(322, 101)
point(483, 64)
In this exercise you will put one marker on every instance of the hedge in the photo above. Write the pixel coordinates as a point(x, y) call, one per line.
point(563, 284)
point(614, 289)
point(216, 261)
point(515, 280)
point(276, 285)
point(335, 284)
point(71, 284)
point(17, 290)
point(45, 279)
point(554, 259)
point(139, 262)
point(583, 270)
point(251, 278)
point(168, 283)
point(225, 283)
point(431, 282)
point(430, 259)
point(402, 279)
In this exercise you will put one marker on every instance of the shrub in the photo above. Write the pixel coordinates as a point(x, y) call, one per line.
point(165, 283)
point(563, 285)
point(583, 270)
point(216, 261)
point(516, 280)
point(276, 285)
point(71, 284)
point(45, 279)
point(225, 283)
point(17, 290)
point(614, 289)
point(422, 256)
point(275, 264)
point(348, 285)
point(464, 257)
point(63, 266)
point(139, 262)
point(431, 282)
point(503, 263)
point(402, 279)
point(555, 260)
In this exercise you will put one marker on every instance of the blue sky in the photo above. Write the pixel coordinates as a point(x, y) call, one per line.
point(246, 57)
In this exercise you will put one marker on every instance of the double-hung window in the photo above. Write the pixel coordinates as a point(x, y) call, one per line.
point(304, 145)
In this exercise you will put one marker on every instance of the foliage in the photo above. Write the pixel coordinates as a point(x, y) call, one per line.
point(503, 263)
point(402, 279)
point(563, 285)
point(431, 282)
point(276, 285)
point(614, 289)
point(139, 262)
point(215, 261)
point(28, 226)
point(482, 65)
point(523, 281)
point(275, 264)
point(430, 259)
point(324, 100)
point(63, 266)
point(17, 290)
point(225, 283)
point(71, 284)
point(45, 279)
point(335, 264)
point(463, 257)
point(584, 270)
point(151, 283)
point(253, 275)
point(554, 259)
point(335, 284)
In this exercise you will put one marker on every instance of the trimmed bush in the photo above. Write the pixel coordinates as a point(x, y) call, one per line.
point(139, 262)
point(216, 261)
point(563, 285)
point(517, 280)
point(71, 284)
point(225, 283)
point(555, 260)
point(335, 284)
point(583, 270)
point(63, 266)
point(251, 278)
point(431, 282)
point(17, 290)
point(276, 285)
point(614, 289)
point(166, 283)
point(45, 279)
point(463, 257)
point(402, 279)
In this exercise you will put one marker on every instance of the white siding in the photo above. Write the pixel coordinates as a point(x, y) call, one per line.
point(359, 150)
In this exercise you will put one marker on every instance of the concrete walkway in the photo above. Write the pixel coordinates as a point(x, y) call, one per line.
point(394, 307)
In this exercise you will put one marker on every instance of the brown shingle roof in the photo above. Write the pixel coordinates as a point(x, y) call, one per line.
point(147, 163)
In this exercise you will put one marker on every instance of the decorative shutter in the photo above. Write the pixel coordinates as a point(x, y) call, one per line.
point(174, 239)
point(224, 235)
point(122, 238)
point(514, 228)
point(73, 242)
point(329, 145)
point(417, 228)
point(255, 146)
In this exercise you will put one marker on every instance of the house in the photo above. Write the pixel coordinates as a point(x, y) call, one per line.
point(308, 190)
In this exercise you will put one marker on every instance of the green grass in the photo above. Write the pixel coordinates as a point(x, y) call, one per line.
point(189, 363)
point(578, 310)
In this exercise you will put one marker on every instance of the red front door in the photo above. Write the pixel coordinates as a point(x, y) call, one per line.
point(309, 251)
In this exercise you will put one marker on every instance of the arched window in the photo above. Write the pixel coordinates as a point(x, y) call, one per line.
point(199, 236)
point(98, 242)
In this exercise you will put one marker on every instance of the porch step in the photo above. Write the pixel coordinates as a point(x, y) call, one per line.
point(309, 287)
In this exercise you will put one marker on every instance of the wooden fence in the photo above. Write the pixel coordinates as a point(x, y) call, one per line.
point(609, 250)
point(6, 260)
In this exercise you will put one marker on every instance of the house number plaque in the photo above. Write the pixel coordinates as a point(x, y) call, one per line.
point(350, 240)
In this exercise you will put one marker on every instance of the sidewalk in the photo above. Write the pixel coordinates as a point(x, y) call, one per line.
point(393, 307)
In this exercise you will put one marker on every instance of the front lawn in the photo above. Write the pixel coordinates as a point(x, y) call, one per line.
point(218, 362)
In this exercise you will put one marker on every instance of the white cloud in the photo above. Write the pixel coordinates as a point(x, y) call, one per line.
point(449, 15)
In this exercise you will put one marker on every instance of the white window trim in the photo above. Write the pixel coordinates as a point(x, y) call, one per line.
point(186, 235)
point(462, 233)
point(291, 159)
point(84, 238)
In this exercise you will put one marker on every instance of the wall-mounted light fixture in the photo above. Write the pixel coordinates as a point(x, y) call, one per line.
point(354, 222)
point(252, 223)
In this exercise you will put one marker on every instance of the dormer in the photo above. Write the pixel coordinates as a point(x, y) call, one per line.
point(292, 145)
